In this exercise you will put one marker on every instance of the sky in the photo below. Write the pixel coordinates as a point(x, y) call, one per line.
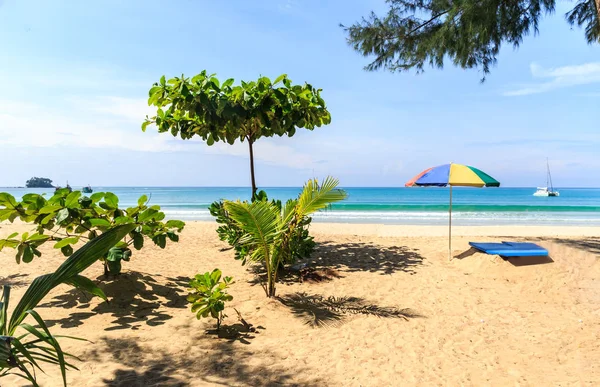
point(75, 77)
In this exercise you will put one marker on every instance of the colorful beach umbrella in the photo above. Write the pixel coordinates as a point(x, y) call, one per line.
point(452, 175)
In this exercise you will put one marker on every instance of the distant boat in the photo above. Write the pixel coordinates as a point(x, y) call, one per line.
point(548, 190)
point(67, 187)
point(87, 189)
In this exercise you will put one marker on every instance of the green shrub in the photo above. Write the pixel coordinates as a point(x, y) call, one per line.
point(68, 217)
point(274, 234)
point(301, 243)
point(21, 355)
point(209, 294)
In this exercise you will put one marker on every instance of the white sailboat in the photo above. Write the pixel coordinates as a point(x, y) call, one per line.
point(548, 190)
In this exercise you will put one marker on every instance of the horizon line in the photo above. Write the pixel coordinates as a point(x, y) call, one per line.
point(283, 186)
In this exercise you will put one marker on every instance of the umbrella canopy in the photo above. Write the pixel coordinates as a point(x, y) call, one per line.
point(453, 175)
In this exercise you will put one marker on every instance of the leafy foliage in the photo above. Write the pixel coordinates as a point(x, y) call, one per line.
point(68, 217)
point(39, 182)
point(271, 231)
point(587, 13)
point(228, 230)
point(214, 111)
point(36, 345)
point(415, 33)
point(209, 294)
point(301, 243)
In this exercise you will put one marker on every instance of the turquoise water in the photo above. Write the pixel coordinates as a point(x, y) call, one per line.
point(470, 206)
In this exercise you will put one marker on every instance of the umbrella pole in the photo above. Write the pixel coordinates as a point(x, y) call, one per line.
point(450, 227)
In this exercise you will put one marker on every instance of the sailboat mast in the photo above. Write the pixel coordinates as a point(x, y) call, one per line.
point(549, 175)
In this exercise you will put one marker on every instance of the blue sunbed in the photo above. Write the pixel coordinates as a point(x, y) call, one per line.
point(511, 249)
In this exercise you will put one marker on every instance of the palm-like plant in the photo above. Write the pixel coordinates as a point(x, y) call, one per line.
point(269, 229)
point(20, 355)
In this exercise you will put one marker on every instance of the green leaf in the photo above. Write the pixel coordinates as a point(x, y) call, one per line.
point(20, 250)
point(72, 199)
point(62, 215)
point(279, 79)
point(147, 215)
point(178, 224)
point(67, 250)
point(123, 220)
point(8, 243)
point(111, 200)
point(138, 240)
point(96, 197)
point(118, 253)
point(160, 240)
point(37, 237)
point(7, 200)
point(27, 254)
point(172, 236)
point(87, 285)
point(47, 219)
point(85, 202)
point(66, 241)
point(50, 209)
point(99, 222)
point(142, 200)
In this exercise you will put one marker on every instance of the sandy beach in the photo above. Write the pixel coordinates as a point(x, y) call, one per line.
point(403, 314)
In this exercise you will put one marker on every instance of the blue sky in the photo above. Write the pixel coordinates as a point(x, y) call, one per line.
point(75, 76)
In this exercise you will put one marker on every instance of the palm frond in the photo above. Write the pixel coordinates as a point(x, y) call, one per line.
point(4, 310)
point(68, 272)
point(315, 197)
point(289, 210)
point(260, 221)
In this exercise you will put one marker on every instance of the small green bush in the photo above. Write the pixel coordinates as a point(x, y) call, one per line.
point(274, 234)
point(209, 294)
point(301, 244)
point(68, 217)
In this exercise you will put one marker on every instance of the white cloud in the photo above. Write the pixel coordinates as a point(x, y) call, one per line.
point(558, 78)
point(115, 122)
point(287, 6)
point(133, 110)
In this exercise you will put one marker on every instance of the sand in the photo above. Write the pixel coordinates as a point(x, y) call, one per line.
point(402, 313)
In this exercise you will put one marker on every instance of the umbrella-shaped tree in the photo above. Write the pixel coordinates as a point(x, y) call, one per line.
point(202, 106)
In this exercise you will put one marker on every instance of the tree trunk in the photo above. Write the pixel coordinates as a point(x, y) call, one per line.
point(252, 167)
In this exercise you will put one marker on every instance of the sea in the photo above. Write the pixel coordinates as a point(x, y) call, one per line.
point(409, 206)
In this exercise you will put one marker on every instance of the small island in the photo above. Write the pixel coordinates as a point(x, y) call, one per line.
point(39, 182)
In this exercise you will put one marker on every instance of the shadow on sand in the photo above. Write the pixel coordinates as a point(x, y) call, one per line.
point(319, 311)
point(529, 261)
point(15, 280)
point(134, 299)
point(207, 362)
point(358, 256)
point(589, 244)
